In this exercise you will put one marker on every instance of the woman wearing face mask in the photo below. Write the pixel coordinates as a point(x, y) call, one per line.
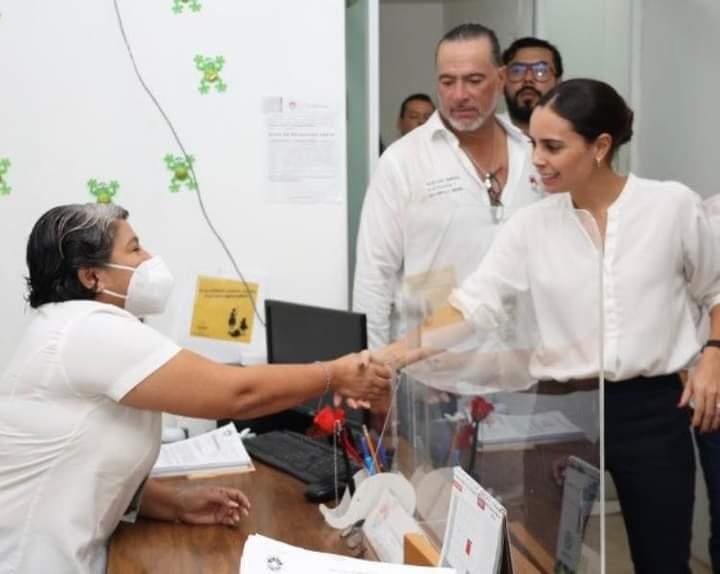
point(658, 263)
point(80, 402)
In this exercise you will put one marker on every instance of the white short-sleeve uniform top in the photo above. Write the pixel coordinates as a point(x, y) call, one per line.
point(71, 456)
point(658, 264)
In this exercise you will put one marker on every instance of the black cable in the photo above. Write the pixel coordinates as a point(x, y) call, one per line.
point(188, 161)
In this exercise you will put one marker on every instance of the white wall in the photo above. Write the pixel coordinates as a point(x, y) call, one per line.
point(408, 34)
point(72, 110)
point(593, 37)
point(595, 40)
point(676, 105)
point(510, 19)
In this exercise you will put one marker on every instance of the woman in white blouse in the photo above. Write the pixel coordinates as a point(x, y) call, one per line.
point(658, 264)
point(81, 400)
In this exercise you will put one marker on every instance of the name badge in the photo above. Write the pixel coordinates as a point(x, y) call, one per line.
point(443, 186)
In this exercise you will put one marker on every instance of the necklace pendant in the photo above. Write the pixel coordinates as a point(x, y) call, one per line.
point(488, 182)
point(498, 213)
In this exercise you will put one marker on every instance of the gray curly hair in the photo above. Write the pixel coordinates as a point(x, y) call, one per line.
point(62, 241)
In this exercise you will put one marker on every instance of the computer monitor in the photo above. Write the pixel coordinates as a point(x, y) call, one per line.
point(297, 333)
point(303, 333)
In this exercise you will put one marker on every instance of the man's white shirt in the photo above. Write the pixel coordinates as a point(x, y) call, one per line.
point(427, 221)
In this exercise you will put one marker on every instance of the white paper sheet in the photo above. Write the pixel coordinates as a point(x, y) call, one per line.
point(386, 527)
point(475, 528)
point(551, 426)
point(301, 138)
point(263, 555)
point(219, 449)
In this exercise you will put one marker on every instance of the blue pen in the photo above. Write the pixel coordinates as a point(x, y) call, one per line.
point(366, 456)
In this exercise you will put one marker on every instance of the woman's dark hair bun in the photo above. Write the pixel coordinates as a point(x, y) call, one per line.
point(593, 108)
point(626, 135)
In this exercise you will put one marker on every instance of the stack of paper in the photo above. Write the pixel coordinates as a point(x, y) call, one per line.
point(220, 450)
point(263, 555)
point(502, 429)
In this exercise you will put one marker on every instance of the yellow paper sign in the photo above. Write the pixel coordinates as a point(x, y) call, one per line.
point(223, 310)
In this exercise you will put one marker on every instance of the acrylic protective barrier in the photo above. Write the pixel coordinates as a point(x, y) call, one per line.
point(515, 398)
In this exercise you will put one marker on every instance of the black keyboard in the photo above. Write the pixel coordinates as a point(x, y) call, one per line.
point(300, 456)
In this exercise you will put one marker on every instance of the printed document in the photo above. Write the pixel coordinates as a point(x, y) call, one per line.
point(475, 529)
point(262, 555)
point(304, 150)
point(221, 449)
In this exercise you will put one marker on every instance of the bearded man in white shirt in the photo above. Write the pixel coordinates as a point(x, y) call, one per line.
point(440, 193)
point(534, 67)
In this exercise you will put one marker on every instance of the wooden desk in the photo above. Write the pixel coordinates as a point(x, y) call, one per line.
point(278, 511)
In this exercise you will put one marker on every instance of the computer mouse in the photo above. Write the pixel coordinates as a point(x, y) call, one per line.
point(323, 491)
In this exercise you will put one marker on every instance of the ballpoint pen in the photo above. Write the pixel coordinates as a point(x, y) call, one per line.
point(382, 456)
point(366, 456)
point(371, 449)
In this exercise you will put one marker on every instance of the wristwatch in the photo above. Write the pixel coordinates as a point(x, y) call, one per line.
point(711, 343)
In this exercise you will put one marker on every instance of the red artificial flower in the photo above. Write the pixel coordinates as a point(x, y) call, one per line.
point(326, 418)
point(480, 408)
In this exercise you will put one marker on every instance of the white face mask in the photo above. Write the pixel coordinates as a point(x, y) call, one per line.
point(149, 288)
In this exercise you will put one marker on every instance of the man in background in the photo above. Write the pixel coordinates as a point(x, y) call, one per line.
point(533, 68)
point(440, 193)
point(414, 111)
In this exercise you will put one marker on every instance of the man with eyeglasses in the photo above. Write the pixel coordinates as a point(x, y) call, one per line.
point(441, 192)
point(533, 68)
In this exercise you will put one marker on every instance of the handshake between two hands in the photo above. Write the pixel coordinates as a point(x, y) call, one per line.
point(364, 378)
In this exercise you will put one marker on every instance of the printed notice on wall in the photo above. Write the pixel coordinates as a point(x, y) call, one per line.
point(223, 310)
point(303, 154)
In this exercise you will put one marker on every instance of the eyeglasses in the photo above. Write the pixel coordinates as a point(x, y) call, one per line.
point(541, 71)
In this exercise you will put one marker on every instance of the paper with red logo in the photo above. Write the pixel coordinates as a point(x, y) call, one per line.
point(473, 541)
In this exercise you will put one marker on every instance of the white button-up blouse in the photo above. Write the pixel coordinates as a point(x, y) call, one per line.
point(630, 303)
